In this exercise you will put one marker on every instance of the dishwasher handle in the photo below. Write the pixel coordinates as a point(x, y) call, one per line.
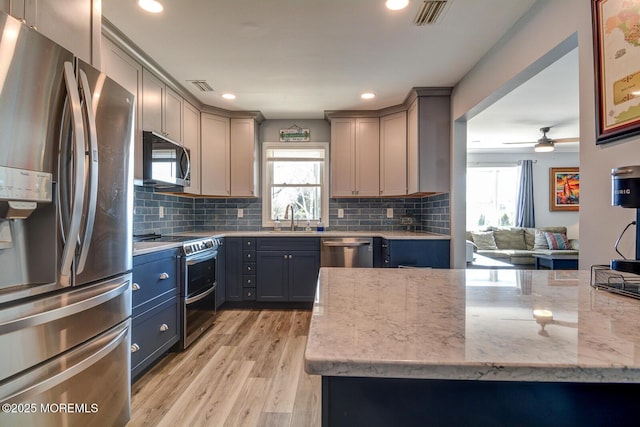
point(340, 244)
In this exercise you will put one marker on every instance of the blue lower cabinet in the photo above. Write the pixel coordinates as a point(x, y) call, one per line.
point(287, 269)
point(272, 277)
point(416, 253)
point(234, 270)
point(155, 325)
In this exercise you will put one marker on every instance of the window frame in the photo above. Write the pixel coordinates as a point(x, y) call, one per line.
point(267, 182)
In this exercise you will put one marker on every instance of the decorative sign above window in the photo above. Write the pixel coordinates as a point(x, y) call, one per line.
point(295, 134)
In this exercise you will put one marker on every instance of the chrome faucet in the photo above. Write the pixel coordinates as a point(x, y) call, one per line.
point(286, 216)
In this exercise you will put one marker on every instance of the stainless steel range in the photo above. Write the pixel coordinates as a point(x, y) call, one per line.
point(198, 291)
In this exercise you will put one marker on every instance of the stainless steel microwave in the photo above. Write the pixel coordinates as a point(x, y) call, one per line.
point(165, 163)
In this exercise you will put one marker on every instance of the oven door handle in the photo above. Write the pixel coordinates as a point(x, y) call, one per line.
point(200, 296)
point(199, 258)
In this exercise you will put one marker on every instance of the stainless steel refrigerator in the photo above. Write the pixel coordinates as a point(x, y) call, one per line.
point(66, 200)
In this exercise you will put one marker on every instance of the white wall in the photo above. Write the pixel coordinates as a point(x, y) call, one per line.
point(547, 25)
point(543, 161)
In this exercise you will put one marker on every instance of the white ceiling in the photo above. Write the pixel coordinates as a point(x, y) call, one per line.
point(297, 58)
point(548, 99)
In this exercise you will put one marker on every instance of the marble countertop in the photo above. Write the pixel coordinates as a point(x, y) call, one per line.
point(472, 325)
point(140, 248)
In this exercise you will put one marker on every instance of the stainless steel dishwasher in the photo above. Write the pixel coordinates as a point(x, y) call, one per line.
point(349, 252)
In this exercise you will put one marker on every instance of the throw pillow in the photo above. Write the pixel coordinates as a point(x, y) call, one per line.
point(540, 241)
point(484, 240)
point(557, 240)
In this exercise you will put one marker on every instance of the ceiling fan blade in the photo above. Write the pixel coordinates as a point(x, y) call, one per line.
point(561, 140)
point(521, 142)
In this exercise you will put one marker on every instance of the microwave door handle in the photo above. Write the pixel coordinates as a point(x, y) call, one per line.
point(77, 127)
point(92, 177)
point(188, 171)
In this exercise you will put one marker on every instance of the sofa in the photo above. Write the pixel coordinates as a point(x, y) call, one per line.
point(517, 245)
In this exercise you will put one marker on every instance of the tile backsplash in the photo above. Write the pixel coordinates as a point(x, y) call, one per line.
point(183, 214)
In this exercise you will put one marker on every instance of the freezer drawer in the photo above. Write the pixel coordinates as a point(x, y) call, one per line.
point(38, 329)
point(88, 385)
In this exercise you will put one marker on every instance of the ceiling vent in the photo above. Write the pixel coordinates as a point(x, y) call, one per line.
point(430, 11)
point(202, 85)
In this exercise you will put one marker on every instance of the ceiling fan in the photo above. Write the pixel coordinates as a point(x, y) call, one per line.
point(546, 144)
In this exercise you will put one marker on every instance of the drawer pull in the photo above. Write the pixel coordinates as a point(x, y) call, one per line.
point(164, 276)
point(134, 347)
point(248, 255)
point(135, 287)
point(249, 281)
point(249, 243)
point(164, 327)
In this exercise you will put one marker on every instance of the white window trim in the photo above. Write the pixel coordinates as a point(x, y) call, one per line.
point(266, 198)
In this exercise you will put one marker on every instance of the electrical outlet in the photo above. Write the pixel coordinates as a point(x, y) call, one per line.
point(240, 213)
point(340, 213)
point(161, 212)
point(389, 212)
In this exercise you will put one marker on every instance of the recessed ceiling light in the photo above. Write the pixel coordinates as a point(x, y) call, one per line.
point(368, 95)
point(228, 96)
point(152, 6)
point(396, 4)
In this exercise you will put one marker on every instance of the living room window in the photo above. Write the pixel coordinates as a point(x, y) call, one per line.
point(295, 174)
point(491, 196)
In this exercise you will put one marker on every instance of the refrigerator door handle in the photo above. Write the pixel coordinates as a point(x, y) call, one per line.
point(68, 252)
point(92, 177)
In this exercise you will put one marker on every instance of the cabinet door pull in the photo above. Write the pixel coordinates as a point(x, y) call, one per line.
point(134, 347)
point(164, 327)
point(135, 287)
point(285, 257)
point(290, 256)
point(164, 276)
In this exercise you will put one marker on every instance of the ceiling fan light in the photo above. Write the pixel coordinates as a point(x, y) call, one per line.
point(396, 4)
point(543, 147)
point(152, 6)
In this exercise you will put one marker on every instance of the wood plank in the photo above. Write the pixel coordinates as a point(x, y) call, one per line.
point(205, 393)
point(300, 323)
point(281, 396)
point(274, 419)
point(307, 409)
point(248, 407)
point(246, 370)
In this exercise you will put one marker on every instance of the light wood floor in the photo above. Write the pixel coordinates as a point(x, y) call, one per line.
point(247, 370)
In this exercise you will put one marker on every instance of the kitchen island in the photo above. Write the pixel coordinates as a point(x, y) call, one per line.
point(445, 347)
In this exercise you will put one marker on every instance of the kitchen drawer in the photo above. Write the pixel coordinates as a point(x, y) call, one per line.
point(153, 279)
point(248, 243)
point(249, 294)
point(153, 333)
point(249, 256)
point(288, 244)
point(249, 281)
point(249, 268)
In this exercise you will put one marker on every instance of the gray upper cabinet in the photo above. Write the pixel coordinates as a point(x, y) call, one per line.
point(161, 108)
point(128, 73)
point(191, 140)
point(393, 154)
point(428, 140)
point(73, 24)
point(243, 151)
point(152, 96)
point(355, 157)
